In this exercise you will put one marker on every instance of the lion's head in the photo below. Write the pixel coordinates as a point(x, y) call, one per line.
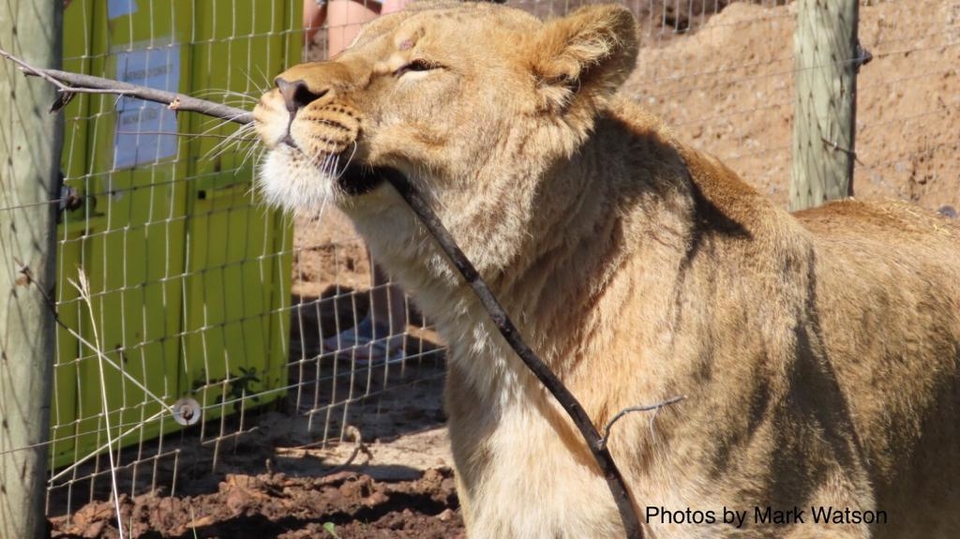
point(447, 94)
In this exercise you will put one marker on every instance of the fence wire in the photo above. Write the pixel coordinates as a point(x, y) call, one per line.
point(197, 291)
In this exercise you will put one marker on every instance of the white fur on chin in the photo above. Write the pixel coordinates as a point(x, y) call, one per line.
point(287, 179)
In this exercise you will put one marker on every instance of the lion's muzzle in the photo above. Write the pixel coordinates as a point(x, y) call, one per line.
point(307, 115)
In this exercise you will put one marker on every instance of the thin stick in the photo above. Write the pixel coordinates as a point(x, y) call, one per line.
point(570, 404)
point(71, 83)
point(595, 443)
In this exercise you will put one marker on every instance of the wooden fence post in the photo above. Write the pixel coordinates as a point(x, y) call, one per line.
point(30, 144)
point(826, 60)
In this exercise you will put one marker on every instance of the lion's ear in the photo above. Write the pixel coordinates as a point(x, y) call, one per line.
point(585, 56)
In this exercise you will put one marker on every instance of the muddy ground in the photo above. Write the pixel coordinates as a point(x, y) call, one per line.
point(340, 504)
point(723, 83)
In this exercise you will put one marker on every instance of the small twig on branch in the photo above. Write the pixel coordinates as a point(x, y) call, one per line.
point(625, 411)
point(74, 83)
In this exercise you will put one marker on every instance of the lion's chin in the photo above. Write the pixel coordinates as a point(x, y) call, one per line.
point(289, 180)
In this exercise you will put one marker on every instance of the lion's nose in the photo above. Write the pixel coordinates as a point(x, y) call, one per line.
point(296, 94)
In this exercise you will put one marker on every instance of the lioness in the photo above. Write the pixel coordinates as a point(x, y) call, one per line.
point(818, 352)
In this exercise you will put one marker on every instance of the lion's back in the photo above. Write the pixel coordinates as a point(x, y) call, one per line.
point(886, 261)
point(886, 247)
point(880, 240)
point(888, 305)
point(889, 218)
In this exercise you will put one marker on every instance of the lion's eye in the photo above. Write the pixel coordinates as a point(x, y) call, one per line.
point(415, 66)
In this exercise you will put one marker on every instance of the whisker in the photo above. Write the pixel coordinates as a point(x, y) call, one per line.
point(251, 152)
point(176, 134)
point(239, 97)
point(236, 137)
point(267, 81)
point(332, 166)
point(259, 88)
point(349, 160)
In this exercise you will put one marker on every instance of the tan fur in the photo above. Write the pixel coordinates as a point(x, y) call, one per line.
point(818, 352)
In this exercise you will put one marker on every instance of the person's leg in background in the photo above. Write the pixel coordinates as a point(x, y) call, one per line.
point(343, 19)
point(379, 336)
point(387, 317)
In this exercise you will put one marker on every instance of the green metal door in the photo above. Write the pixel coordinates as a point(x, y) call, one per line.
point(188, 273)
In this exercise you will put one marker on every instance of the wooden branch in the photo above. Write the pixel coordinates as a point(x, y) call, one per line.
point(75, 83)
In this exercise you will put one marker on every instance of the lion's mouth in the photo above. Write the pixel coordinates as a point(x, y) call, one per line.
point(358, 179)
point(351, 177)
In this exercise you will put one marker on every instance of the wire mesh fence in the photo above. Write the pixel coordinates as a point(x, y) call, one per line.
point(178, 293)
point(908, 102)
point(173, 282)
point(174, 291)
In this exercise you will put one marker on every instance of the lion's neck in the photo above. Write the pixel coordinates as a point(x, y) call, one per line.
point(551, 267)
point(604, 211)
point(550, 250)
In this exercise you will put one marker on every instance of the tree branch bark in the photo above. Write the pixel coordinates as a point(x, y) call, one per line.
point(69, 83)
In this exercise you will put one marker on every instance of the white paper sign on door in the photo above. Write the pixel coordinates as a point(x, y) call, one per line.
point(119, 8)
point(146, 132)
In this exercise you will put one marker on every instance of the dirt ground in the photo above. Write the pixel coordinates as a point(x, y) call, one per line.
point(723, 84)
point(388, 475)
point(727, 88)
